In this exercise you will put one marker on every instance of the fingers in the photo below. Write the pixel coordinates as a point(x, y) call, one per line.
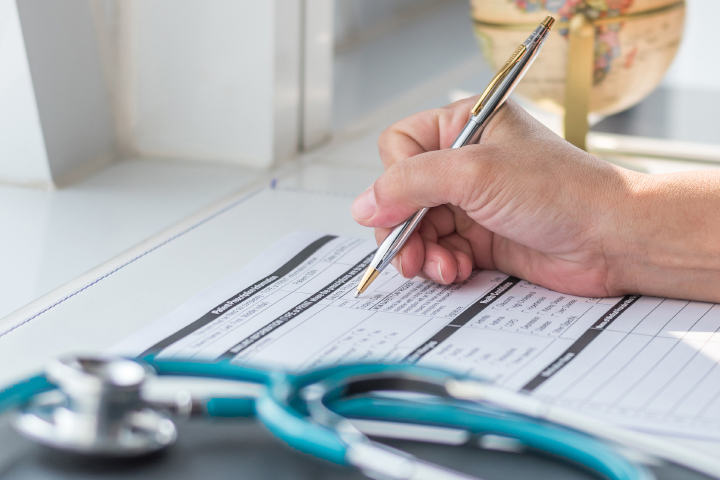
point(410, 258)
point(453, 177)
point(423, 132)
point(462, 251)
point(438, 128)
point(434, 251)
point(432, 261)
point(479, 239)
point(464, 188)
point(440, 264)
point(409, 261)
point(419, 175)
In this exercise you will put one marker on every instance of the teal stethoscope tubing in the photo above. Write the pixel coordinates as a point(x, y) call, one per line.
point(288, 422)
point(536, 434)
point(282, 411)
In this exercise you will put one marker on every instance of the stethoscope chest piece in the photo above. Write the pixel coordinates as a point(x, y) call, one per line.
point(97, 410)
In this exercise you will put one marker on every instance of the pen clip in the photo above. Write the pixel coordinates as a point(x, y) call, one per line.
point(516, 56)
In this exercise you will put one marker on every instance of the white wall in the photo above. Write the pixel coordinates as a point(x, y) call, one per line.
point(697, 64)
point(23, 159)
point(317, 72)
point(217, 80)
point(248, 82)
point(241, 81)
point(358, 20)
point(55, 114)
point(69, 83)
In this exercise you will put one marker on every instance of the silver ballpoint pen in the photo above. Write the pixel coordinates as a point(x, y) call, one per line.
point(487, 105)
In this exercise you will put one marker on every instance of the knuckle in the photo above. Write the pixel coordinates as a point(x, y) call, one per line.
point(395, 179)
point(475, 167)
point(385, 136)
point(405, 174)
point(384, 144)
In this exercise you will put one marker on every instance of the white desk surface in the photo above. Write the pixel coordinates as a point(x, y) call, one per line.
point(48, 238)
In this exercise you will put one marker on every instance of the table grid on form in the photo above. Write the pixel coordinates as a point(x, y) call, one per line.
point(656, 362)
point(643, 362)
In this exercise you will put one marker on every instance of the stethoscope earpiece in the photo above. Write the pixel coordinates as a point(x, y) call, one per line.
point(96, 410)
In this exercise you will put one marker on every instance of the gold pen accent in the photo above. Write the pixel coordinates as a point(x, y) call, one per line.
point(548, 22)
point(514, 58)
point(370, 275)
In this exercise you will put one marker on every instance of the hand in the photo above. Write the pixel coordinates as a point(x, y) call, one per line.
point(523, 201)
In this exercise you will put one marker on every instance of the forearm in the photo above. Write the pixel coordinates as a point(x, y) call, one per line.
point(672, 226)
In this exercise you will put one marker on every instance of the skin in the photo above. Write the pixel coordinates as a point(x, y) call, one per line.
point(526, 202)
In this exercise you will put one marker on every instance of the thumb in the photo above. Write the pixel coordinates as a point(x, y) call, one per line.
point(430, 179)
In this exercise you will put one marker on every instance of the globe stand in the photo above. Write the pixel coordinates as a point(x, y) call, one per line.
point(579, 79)
point(579, 73)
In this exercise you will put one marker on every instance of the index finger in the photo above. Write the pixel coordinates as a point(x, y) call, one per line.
point(434, 129)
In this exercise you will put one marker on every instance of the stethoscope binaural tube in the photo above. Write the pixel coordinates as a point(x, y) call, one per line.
point(336, 398)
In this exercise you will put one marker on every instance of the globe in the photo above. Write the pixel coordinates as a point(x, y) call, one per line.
point(635, 43)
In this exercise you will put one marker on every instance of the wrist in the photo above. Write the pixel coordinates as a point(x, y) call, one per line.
point(622, 222)
point(667, 241)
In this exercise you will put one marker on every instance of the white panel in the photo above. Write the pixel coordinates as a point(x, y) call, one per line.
point(317, 72)
point(213, 80)
point(286, 78)
point(68, 78)
point(22, 150)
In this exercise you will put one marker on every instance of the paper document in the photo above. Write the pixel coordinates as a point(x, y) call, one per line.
point(643, 362)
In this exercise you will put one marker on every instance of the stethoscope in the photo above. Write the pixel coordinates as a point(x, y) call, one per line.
point(95, 406)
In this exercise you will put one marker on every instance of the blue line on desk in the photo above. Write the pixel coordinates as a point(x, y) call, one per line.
point(192, 227)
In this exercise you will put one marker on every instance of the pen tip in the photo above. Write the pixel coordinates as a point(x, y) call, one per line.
point(357, 294)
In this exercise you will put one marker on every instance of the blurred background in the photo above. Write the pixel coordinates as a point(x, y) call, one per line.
point(121, 118)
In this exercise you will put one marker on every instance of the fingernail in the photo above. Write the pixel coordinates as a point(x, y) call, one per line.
point(364, 206)
point(432, 270)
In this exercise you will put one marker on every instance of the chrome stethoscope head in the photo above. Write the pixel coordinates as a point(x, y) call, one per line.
point(96, 410)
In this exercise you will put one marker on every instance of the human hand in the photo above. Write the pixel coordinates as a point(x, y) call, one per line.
point(523, 201)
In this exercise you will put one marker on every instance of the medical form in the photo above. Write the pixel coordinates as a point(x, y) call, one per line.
point(643, 362)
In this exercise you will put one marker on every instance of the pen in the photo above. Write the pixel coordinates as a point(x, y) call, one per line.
point(487, 105)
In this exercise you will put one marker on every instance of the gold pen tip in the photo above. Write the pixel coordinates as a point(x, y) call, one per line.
point(548, 22)
point(370, 275)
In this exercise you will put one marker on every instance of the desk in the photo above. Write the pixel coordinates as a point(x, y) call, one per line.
point(96, 310)
point(92, 313)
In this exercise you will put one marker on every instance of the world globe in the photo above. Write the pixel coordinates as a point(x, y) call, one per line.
point(635, 43)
